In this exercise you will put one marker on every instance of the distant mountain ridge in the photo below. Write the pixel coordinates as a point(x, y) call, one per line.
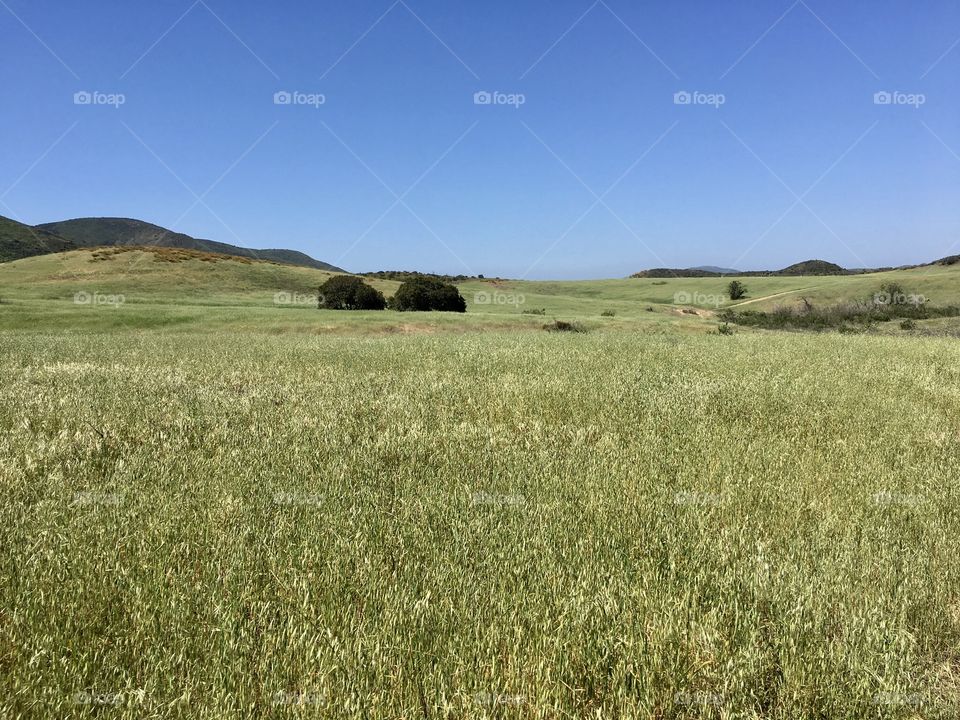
point(807, 267)
point(93, 232)
point(715, 269)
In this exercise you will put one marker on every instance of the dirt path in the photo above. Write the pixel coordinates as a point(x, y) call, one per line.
point(775, 295)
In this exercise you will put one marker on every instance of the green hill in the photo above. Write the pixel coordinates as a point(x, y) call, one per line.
point(805, 268)
point(814, 267)
point(93, 232)
point(164, 275)
point(20, 241)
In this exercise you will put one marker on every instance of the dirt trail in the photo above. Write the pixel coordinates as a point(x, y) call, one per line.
point(775, 295)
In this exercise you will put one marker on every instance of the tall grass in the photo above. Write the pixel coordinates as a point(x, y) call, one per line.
point(537, 525)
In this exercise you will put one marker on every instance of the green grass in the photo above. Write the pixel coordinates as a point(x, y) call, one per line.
point(221, 506)
point(484, 525)
point(141, 279)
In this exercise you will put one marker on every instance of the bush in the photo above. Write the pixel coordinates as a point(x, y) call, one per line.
point(534, 311)
point(725, 329)
point(736, 290)
point(844, 317)
point(893, 293)
point(564, 326)
point(607, 313)
point(907, 324)
point(425, 294)
point(346, 292)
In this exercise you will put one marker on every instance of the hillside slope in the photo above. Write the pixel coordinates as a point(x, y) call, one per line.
point(20, 241)
point(92, 232)
point(164, 275)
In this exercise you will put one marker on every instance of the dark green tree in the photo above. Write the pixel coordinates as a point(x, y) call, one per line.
point(736, 290)
point(425, 294)
point(347, 292)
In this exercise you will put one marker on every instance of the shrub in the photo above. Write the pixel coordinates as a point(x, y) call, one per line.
point(893, 293)
point(346, 292)
point(564, 326)
point(725, 329)
point(907, 324)
point(736, 290)
point(607, 313)
point(424, 294)
point(844, 317)
point(534, 311)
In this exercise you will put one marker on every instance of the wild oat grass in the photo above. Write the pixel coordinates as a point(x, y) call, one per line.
point(474, 526)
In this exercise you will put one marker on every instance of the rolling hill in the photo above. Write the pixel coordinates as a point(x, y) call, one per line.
point(92, 232)
point(19, 241)
point(805, 268)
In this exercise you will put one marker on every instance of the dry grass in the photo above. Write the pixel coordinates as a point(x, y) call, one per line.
point(529, 525)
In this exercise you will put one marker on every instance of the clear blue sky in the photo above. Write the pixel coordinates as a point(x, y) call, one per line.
point(503, 190)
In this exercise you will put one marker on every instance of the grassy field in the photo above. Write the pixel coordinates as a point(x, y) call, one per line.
point(233, 508)
point(144, 290)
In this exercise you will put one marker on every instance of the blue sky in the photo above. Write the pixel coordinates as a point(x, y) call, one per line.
point(783, 153)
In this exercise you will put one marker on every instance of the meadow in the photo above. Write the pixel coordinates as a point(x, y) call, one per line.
point(232, 510)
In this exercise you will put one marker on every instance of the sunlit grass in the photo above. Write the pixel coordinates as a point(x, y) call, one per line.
point(479, 525)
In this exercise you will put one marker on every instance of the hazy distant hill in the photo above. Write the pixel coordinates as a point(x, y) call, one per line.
point(717, 270)
point(19, 241)
point(91, 232)
point(807, 267)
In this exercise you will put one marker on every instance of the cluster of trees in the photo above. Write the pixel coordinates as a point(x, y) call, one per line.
point(348, 292)
point(402, 275)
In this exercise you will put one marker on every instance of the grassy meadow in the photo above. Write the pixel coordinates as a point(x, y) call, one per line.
point(218, 505)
